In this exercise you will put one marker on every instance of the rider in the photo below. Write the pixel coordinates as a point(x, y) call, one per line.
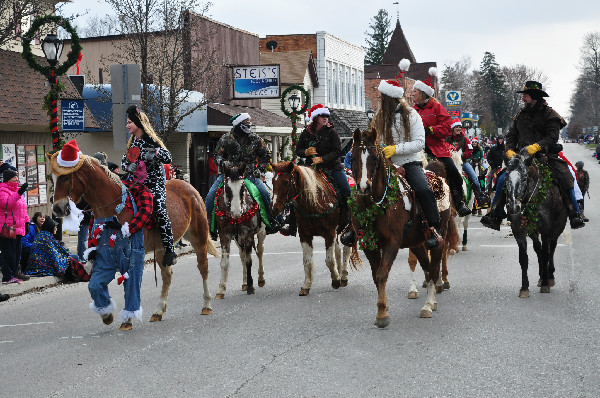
point(154, 153)
point(400, 128)
point(583, 181)
point(536, 129)
point(437, 127)
point(459, 141)
point(243, 147)
point(495, 158)
point(320, 144)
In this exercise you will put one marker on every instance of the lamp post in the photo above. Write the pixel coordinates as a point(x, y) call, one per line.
point(294, 102)
point(52, 47)
point(370, 114)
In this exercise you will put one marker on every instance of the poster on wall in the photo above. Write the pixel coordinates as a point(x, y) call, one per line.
point(41, 154)
point(43, 194)
point(22, 174)
point(32, 180)
point(30, 156)
point(32, 200)
point(20, 154)
point(41, 173)
point(8, 154)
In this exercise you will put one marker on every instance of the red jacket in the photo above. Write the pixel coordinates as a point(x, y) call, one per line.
point(461, 142)
point(435, 115)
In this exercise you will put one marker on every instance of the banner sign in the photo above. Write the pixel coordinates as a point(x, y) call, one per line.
point(73, 116)
point(453, 98)
point(253, 82)
point(454, 113)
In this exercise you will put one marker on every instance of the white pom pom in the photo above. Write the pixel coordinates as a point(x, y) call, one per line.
point(404, 64)
point(306, 119)
point(433, 71)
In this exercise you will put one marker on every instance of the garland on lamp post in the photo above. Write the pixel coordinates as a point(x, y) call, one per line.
point(51, 100)
point(294, 114)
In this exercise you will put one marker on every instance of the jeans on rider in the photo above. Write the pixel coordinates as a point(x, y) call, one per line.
point(417, 180)
point(212, 193)
point(468, 169)
point(342, 182)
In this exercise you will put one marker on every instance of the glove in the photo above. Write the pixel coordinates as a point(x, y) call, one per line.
point(510, 153)
point(256, 173)
point(389, 151)
point(533, 148)
point(317, 160)
point(125, 230)
point(113, 224)
point(22, 189)
point(310, 151)
point(132, 168)
point(429, 130)
point(150, 155)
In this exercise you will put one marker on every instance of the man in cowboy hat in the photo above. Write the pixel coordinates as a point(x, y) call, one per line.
point(536, 129)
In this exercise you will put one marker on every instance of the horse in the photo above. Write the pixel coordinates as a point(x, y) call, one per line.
point(317, 214)
point(238, 219)
point(391, 223)
point(535, 208)
point(104, 191)
point(470, 199)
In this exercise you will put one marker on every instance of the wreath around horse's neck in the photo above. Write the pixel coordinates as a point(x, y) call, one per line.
point(530, 217)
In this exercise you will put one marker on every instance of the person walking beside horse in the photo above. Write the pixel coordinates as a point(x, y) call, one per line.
point(583, 181)
point(143, 142)
point(437, 128)
point(535, 129)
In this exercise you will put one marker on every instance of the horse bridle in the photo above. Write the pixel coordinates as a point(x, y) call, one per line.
point(385, 166)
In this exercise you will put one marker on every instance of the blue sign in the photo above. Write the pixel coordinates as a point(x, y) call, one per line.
point(453, 98)
point(73, 116)
point(251, 82)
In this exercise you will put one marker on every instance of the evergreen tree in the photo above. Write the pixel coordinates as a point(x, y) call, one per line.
point(492, 93)
point(379, 38)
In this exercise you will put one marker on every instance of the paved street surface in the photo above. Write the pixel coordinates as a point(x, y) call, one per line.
point(483, 341)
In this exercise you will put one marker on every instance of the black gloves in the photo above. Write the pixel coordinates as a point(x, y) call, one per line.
point(114, 224)
point(23, 189)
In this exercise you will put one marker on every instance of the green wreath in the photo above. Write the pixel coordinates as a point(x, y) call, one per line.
point(72, 56)
point(303, 108)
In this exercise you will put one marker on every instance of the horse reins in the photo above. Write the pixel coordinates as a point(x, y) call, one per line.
point(386, 167)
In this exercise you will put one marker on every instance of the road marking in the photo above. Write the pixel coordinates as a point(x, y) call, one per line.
point(24, 324)
point(280, 253)
point(7, 341)
point(529, 244)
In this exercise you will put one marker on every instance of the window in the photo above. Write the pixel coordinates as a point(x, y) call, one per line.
point(342, 85)
point(335, 84)
point(329, 82)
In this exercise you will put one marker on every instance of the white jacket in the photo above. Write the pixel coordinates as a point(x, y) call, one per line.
point(409, 151)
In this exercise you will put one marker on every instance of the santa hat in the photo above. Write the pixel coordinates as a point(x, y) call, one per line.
point(317, 110)
point(391, 88)
point(237, 119)
point(426, 86)
point(455, 122)
point(68, 156)
point(475, 139)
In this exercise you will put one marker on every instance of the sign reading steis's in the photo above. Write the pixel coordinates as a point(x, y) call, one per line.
point(250, 82)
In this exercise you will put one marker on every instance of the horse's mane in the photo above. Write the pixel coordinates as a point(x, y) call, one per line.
point(91, 161)
point(311, 185)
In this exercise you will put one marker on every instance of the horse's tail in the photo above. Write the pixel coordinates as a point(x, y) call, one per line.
point(211, 248)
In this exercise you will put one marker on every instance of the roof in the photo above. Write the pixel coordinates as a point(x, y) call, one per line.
point(346, 121)
point(24, 90)
point(398, 48)
point(292, 65)
point(417, 71)
point(219, 114)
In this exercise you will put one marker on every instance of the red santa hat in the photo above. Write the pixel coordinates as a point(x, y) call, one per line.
point(391, 88)
point(455, 122)
point(68, 156)
point(475, 139)
point(317, 110)
point(426, 86)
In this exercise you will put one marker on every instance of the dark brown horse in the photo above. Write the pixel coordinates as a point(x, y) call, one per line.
point(317, 214)
point(397, 227)
point(238, 219)
point(102, 190)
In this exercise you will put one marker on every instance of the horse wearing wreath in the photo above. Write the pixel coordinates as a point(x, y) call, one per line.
point(317, 213)
point(386, 218)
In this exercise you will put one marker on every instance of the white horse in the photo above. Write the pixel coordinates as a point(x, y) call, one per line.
point(464, 221)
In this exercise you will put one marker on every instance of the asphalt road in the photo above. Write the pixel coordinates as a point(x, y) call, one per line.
point(483, 341)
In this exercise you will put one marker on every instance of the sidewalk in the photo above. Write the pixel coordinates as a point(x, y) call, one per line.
point(41, 282)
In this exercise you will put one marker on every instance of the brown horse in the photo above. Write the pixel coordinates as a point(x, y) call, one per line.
point(397, 227)
point(102, 190)
point(317, 214)
point(238, 219)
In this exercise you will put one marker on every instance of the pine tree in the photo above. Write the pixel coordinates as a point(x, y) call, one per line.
point(492, 93)
point(378, 40)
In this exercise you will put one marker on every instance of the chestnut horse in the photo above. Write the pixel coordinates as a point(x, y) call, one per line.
point(103, 191)
point(317, 214)
point(397, 227)
point(238, 218)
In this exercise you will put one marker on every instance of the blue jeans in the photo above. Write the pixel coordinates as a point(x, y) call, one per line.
point(468, 169)
point(262, 188)
point(342, 182)
point(126, 256)
point(82, 239)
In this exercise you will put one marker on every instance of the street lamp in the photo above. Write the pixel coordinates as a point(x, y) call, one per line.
point(52, 47)
point(294, 102)
point(370, 114)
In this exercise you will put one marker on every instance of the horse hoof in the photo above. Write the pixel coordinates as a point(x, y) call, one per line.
point(156, 318)
point(426, 314)
point(524, 293)
point(250, 290)
point(126, 326)
point(439, 289)
point(446, 285)
point(304, 292)
point(381, 323)
point(219, 296)
point(452, 252)
point(434, 307)
point(262, 283)
point(545, 289)
point(464, 248)
point(107, 319)
point(335, 284)
point(206, 311)
point(413, 295)
point(244, 287)
point(344, 283)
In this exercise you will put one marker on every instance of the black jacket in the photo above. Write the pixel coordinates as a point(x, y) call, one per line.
point(327, 143)
point(495, 156)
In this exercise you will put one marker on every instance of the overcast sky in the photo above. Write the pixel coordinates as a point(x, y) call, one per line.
point(544, 34)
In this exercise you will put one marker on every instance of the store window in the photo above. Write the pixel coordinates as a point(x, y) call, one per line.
point(30, 161)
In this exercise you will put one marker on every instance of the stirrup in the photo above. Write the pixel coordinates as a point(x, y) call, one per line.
point(289, 230)
point(348, 238)
point(435, 240)
point(576, 222)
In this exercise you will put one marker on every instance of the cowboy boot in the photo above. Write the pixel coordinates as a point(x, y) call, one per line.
point(275, 223)
point(435, 239)
point(575, 218)
point(459, 203)
point(290, 228)
point(496, 213)
point(169, 258)
point(483, 200)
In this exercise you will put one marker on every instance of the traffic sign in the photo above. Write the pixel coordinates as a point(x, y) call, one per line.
point(73, 115)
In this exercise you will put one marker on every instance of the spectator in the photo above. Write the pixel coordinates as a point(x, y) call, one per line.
point(49, 258)
point(583, 181)
point(34, 227)
point(213, 170)
point(114, 168)
point(102, 158)
point(13, 212)
point(84, 227)
point(5, 166)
